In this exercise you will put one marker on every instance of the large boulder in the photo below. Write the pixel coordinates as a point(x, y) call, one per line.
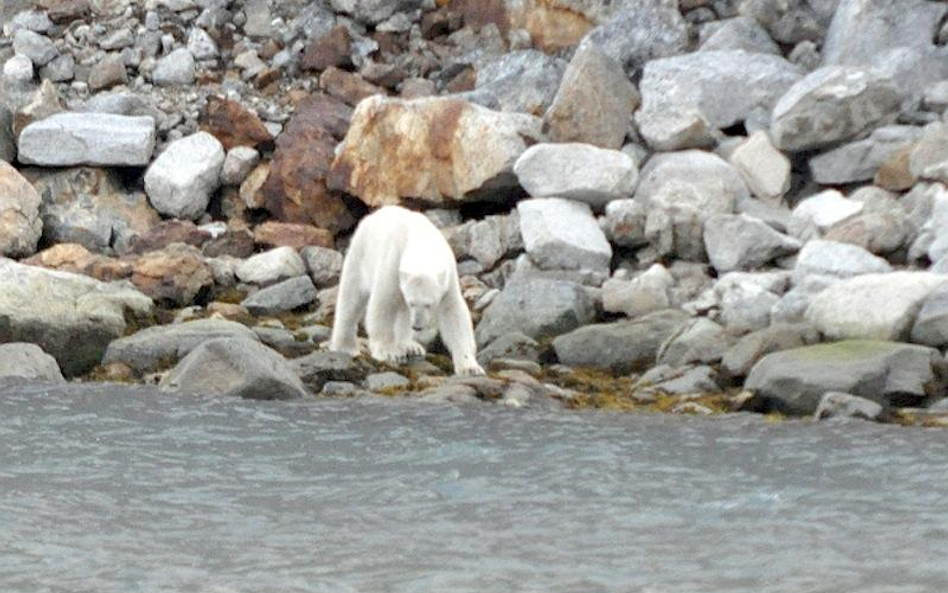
point(686, 99)
point(839, 260)
point(181, 180)
point(742, 242)
point(638, 32)
point(536, 307)
point(621, 346)
point(20, 362)
point(91, 207)
point(873, 306)
point(577, 172)
point(71, 317)
point(594, 103)
point(860, 160)
point(296, 188)
point(20, 223)
point(563, 235)
point(99, 139)
point(162, 346)
point(794, 381)
point(239, 367)
point(861, 30)
point(831, 105)
point(438, 149)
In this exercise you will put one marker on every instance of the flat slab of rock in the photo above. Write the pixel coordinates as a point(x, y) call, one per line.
point(622, 346)
point(579, 172)
point(239, 367)
point(437, 149)
point(271, 266)
point(181, 180)
point(563, 235)
point(71, 317)
point(839, 260)
point(21, 362)
point(101, 139)
point(687, 98)
point(161, 346)
point(831, 105)
point(874, 306)
point(536, 307)
point(284, 296)
point(890, 373)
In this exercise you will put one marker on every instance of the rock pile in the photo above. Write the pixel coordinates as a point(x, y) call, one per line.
point(694, 198)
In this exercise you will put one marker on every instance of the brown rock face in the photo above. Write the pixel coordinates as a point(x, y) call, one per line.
point(895, 174)
point(594, 103)
point(347, 87)
point(235, 242)
point(440, 150)
point(332, 49)
point(296, 188)
point(176, 275)
point(72, 257)
point(553, 24)
point(234, 125)
point(283, 234)
point(167, 232)
point(63, 12)
point(110, 71)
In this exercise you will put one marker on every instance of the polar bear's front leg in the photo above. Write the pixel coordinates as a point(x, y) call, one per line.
point(350, 306)
point(386, 308)
point(457, 332)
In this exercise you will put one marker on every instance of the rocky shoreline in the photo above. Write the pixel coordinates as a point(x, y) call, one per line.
point(686, 206)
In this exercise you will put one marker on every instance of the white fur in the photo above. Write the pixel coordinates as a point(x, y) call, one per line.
point(400, 272)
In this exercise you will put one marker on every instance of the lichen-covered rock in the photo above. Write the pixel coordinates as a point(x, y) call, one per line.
point(441, 150)
point(20, 223)
point(71, 317)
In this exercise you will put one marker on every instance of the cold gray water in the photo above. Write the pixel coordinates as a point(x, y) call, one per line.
point(119, 490)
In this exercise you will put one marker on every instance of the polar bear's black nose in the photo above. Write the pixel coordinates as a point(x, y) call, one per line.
point(418, 328)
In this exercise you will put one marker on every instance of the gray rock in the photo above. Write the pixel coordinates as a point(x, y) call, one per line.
point(741, 242)
point(844, 405)
point(647, 292)
point(686, 99)
point(794, 381)
point(639, 32)
point(873, 306)
point(911, 70)
point(861, 30)
point(386, 381)
point(563, 234)
point(21, 362)
point(536, 307)
point(99, 139)
point(792, 306)
point(162, 346)
point(624, 223)
point(524, 81)
point(742, 356)
point(175, 69)
point(621, 346)
point(38, 48)
point(742, 33)
point(238, 163)
point(239, 367)
point(259, 18)
point(61, 69)
point(746, 307)
point(284, 296)
point(840, 260)
point(512, 346)
point(319, 368)
point(860, 160)
point(20, 223)
point(201, 45)
point(181, 180)
point(764, 168)
point(579, 172)
point(594, 103)
point(324, 265)
point(18, 71)
point(696, 380)
point(929, 158)
point(487, 240)
point(288, 343)
point(7, 142)
point(817, 214)
point(936, 96)
point(271, 266)
point(699, 341)
point(108, 72)
point(791, 21)
point(72, 317)
point(373, 11)
point(833, 104)
point(117, 39)
point(931, 324)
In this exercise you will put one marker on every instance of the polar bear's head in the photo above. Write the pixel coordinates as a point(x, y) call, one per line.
point(422, 293)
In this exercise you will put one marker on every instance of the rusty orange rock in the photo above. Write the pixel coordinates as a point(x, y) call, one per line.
point(234, 125)
point(282, 234)
point(176, 275)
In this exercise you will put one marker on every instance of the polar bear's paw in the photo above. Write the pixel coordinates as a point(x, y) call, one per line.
point(396, 354)
point(468, 369)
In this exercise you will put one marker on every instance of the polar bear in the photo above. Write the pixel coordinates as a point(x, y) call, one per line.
point(400, 272)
